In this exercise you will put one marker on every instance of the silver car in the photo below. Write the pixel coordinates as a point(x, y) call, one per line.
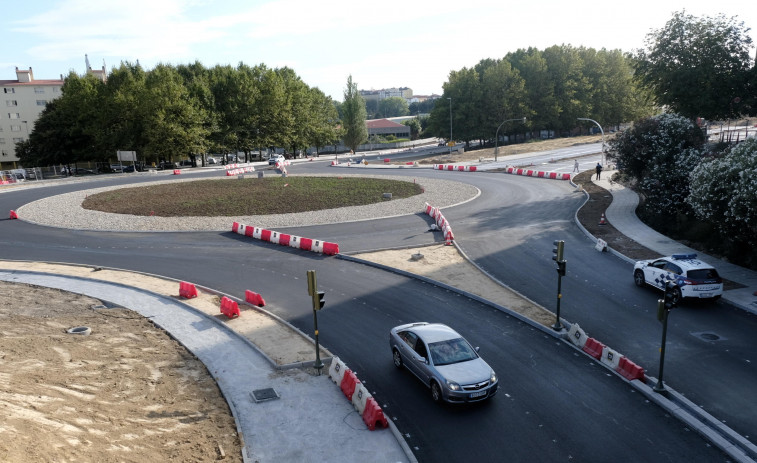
point(444, 361)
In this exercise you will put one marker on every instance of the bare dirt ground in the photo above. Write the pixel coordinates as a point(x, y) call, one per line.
point(127, 392)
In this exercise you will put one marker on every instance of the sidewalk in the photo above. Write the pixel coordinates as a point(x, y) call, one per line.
point(622, 215)
point(311, 421)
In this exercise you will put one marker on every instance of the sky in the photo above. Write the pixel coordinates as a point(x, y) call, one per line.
point(411, 43)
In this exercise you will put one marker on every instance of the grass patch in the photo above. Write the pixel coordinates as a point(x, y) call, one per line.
point(249, 196)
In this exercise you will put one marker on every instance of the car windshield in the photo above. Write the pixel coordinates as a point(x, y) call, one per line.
point(451, 351)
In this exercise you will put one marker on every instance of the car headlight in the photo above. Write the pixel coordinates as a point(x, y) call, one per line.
point(493, 377)
point(453, 386)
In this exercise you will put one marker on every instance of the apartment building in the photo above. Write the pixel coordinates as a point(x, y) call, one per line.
point(402, 92)
point(21, 102)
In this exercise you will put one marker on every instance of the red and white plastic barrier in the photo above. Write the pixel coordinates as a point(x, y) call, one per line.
point(358, 394)
point(281, 164)
point(460, 168)
point(13, 214)
point(229, 307)
point(283, 239)
point(240, 170)
point(177, 171)
point(187, 290)
point(441, 222)
point(538, 173)
point(604, 354)
point(254, 298)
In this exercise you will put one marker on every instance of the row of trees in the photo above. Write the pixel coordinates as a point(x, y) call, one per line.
point(692, 190)
point(552, 88)
point(180, 111)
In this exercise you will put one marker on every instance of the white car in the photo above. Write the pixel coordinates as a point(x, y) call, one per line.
point(276, 158)
point(693, 277)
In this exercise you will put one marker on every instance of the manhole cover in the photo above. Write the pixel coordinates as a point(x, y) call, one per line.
point(707, 336)
point(261, 395)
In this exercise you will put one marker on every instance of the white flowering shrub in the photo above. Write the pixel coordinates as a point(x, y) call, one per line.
point(724, 192)
point(659, 153)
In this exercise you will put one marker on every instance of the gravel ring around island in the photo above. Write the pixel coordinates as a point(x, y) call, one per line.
point(66, 211)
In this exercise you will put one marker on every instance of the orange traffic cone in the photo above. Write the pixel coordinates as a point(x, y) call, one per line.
point(602, 220)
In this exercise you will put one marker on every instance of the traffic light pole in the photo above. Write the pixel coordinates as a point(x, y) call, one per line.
point(660, 387)
point(317, 304)
point(558, 253)
point(558, 325)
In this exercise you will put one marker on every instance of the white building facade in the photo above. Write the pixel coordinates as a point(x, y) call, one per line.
point(21, 102)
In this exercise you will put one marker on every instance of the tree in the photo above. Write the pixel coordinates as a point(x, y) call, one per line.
point(723, 192)
point(353, 122)
point(505, 97)
point(543, 107)
point(393, 107)
point(697, 66)
point(415, 127)
point(658, 153)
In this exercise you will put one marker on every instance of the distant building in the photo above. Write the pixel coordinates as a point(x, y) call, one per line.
point(24, 100)
point(384, 127)
point(384, 93)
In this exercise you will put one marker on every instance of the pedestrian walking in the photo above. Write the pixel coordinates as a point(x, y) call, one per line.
point(575, 166)
point(599, 170)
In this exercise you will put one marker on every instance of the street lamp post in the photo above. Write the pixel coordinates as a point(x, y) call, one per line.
point(601, 131)
point(450, 126)
point(496, 137)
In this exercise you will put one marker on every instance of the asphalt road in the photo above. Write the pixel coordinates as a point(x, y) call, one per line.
point(553, 403)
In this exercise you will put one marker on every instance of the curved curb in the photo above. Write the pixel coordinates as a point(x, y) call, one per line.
point(452, 289)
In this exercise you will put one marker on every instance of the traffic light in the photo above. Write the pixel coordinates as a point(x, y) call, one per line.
point(670, 300)
point(561, 268)
point(660, 310)
point(318, 301)
point(557, 251)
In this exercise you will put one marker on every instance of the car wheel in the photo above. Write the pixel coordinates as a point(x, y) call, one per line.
point(638, 278)
point(436, 392)
point(397, 358)
point(676, 296)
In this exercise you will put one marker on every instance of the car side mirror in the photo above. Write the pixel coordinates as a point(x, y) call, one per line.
point(423, 360)
point(477, 348)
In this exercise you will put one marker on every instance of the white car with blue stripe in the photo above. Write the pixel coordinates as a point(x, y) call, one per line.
point(693, 278)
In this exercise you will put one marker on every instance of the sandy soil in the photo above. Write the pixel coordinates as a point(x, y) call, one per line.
point(127, 392)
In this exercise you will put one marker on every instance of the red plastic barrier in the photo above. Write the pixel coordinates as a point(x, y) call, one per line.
point(330, 249)
point(566, 176)
point(387, 160)
point(472, 168)
point(248, 231)
point(187, 290)
point(265, 235)
point(229, 308)
point(593, 348)
point(176, 171)
point(235, 227)
point(373, 415)
point(462, 168)
point(254, 298)
point(540, 174)
point(553, 175)
point(409, 163)
point(630, 370)
point(349, 381)
point(306, 244)
point(284, 239)
point(13, 214)
point(519, 172)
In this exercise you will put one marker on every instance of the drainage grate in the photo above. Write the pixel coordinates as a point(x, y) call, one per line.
point(261, 395)
point(708, 336)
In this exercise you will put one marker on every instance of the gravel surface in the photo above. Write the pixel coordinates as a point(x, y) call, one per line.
point(65, 211)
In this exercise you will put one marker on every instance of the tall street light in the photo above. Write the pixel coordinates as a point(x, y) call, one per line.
point(450, 126)
point(603, 135)
point(496, 137)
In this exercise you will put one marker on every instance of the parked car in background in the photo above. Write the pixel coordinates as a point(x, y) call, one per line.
point(694, 278)
point(167, 165)
point(275, 158)
point(117, 167)
point(210, 160)
point(444, 361)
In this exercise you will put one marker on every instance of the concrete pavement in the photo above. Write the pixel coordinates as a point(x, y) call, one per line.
point(622, 215)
